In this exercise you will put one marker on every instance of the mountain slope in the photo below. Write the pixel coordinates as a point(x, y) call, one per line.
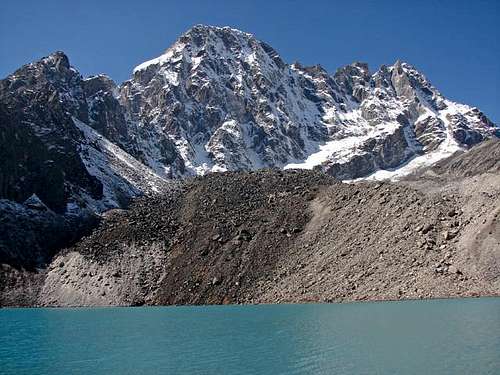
point(48, 150)
point(285, 236)
point(217, 100)
point(229, 102)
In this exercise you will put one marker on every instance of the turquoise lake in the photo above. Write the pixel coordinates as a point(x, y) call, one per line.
point(460, 336)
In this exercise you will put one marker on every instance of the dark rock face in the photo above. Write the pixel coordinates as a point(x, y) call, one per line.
point(384, 152)
point(30, 234)
point(106, 115)
point(45, 150)
point(430, 132)
point(376, 153)
point(353, 79)
point(39, 141)
point(43, 154)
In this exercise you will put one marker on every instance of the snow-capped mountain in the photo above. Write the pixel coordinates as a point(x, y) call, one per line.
point(218, 99)
point(50, 145)
point(228, 101)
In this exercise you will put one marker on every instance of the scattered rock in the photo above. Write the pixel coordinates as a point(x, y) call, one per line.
point(449, 235)
point(454, 270)
point(244, 235)
point(427, 228)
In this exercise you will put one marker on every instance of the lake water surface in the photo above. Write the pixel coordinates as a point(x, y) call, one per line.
point(459, 336)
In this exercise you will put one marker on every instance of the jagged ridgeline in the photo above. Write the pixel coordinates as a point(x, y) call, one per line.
point(218, 99)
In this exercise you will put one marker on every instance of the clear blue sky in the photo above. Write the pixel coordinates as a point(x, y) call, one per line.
point(455, 43)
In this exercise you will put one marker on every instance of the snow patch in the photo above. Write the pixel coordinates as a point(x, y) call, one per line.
point(122, 175)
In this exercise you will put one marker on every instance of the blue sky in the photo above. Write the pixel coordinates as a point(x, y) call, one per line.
point(455, 43)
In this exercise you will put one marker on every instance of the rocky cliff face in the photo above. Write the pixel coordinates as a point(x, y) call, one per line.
point(39, 141)
point(62, 138)
point(217, 100)
point(31, 233)
point(228, 102)
point(51, 149)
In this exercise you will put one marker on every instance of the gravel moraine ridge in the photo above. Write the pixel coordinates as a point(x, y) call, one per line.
point(287, 236)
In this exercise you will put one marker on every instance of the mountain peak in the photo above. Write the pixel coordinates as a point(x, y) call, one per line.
point(202, 28)
point(401, 66)
point(361, 65)
point(213, 42)
point(57, 59)
point(195, 38)
point(358, 68)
